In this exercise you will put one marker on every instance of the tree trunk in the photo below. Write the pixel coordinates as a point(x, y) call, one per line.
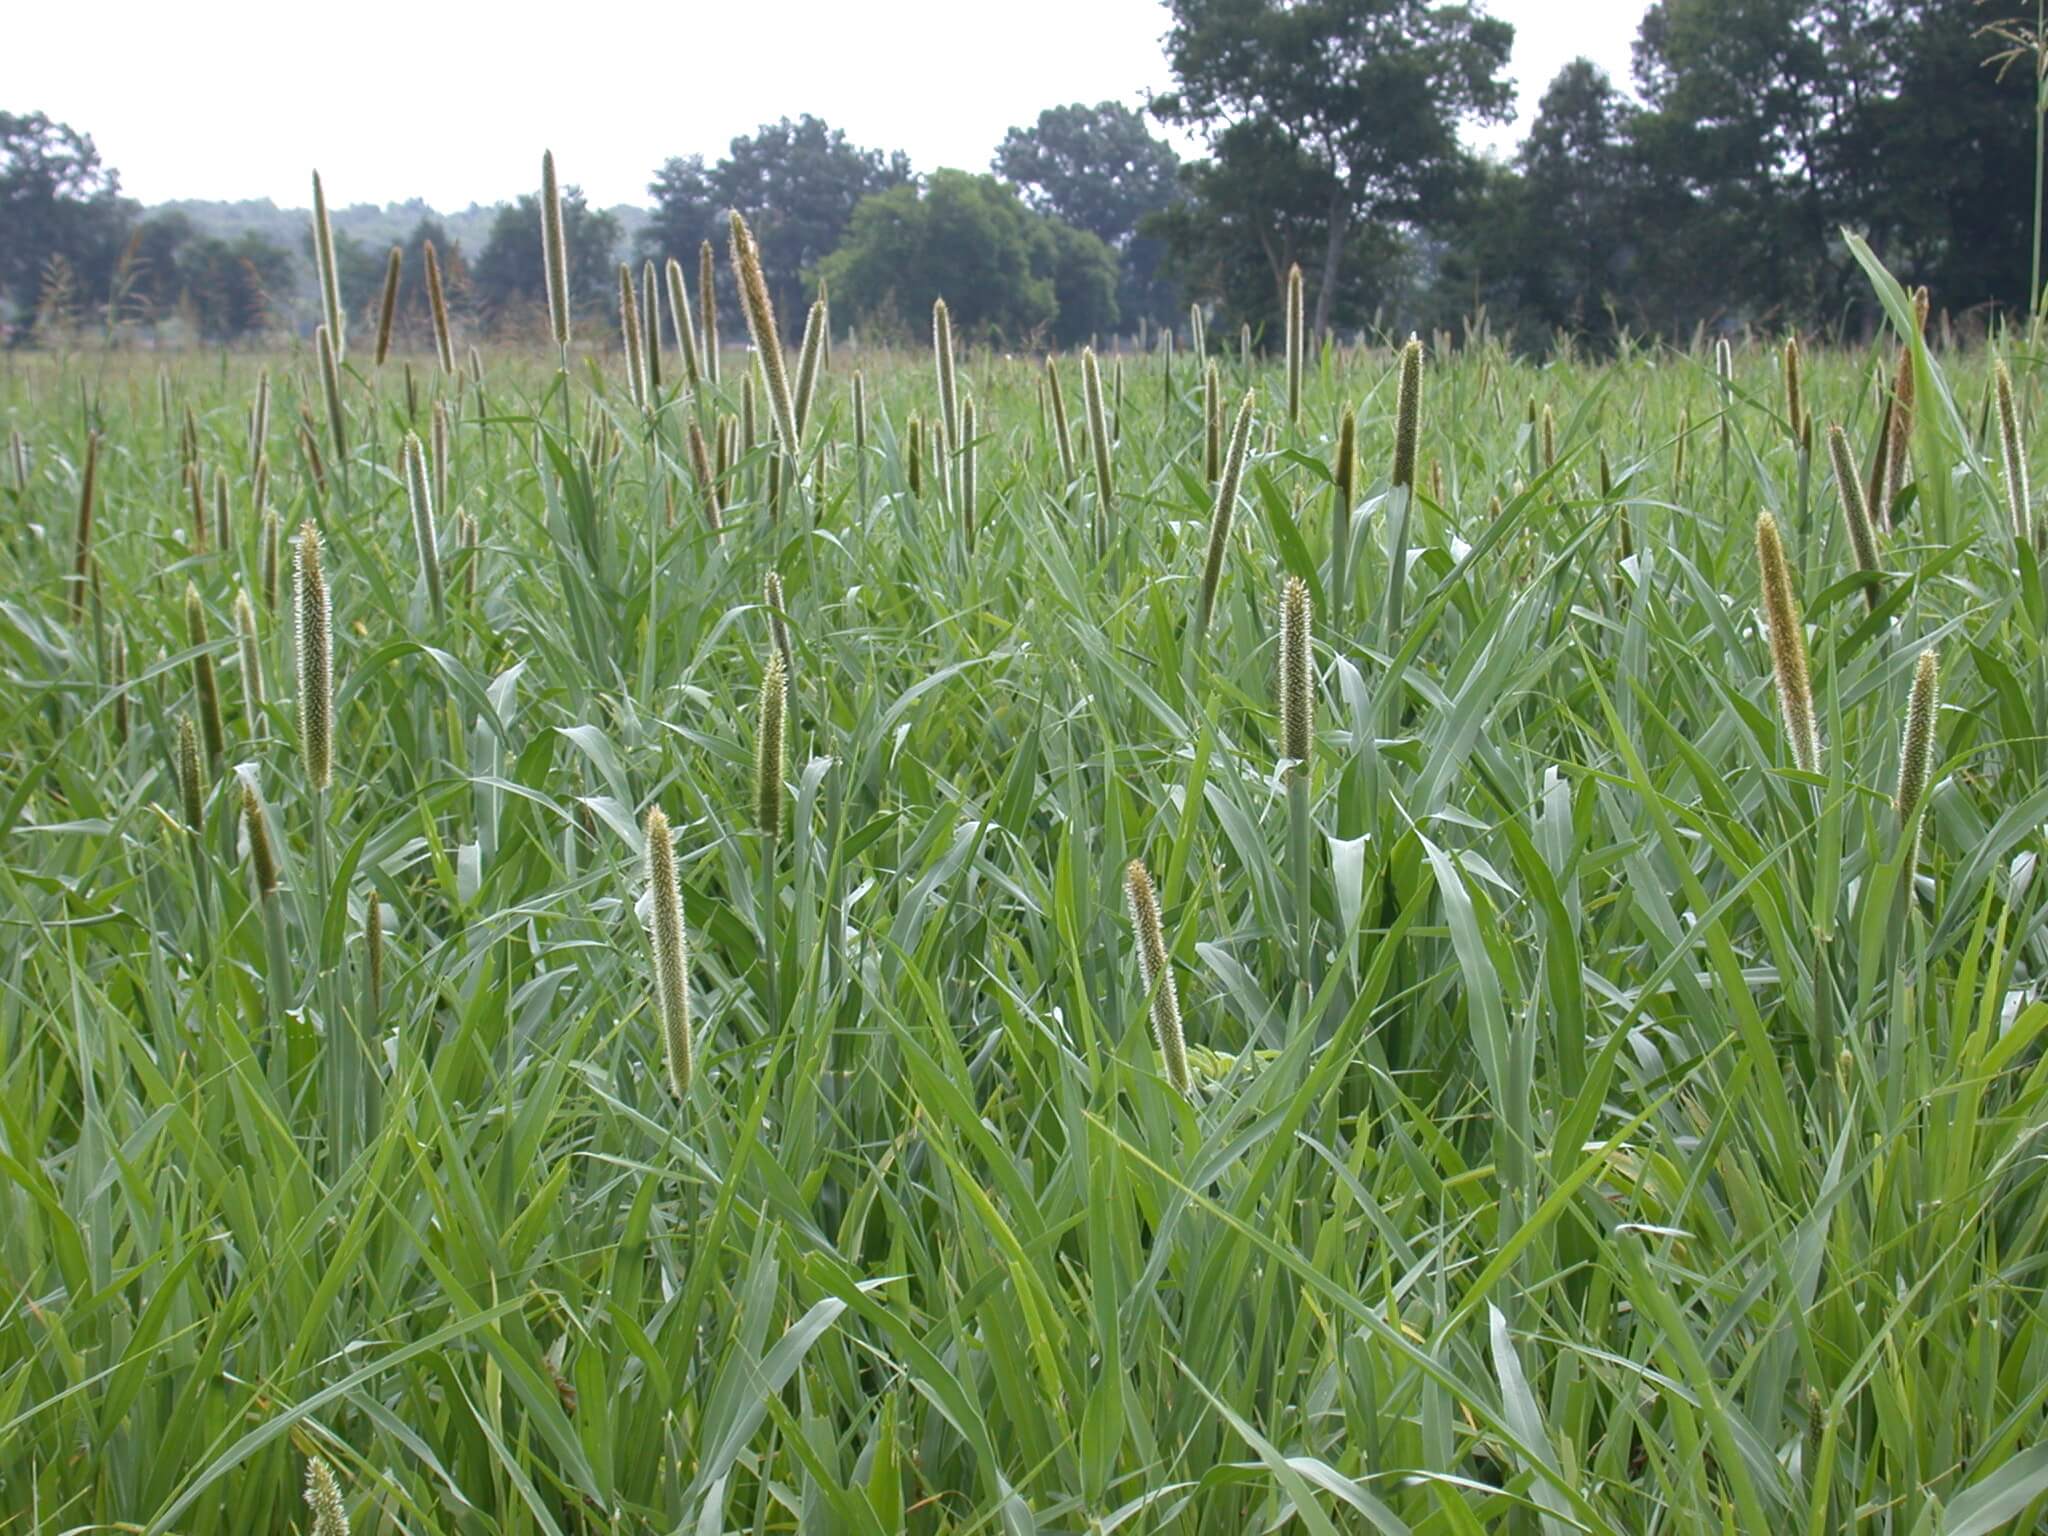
point(1333, 255)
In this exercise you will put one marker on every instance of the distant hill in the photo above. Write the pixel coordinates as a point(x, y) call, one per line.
point(375, 226)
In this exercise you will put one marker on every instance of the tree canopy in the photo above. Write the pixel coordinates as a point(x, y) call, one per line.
point(1007, 274)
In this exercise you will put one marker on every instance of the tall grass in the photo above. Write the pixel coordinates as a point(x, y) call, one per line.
point(1588, 1106)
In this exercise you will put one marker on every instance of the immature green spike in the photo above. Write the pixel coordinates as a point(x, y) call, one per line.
point(1407, 414)
point(437, 303)
point(629, 335)
point(707, 481)
point(914, 456)
point(314, 623)
point(437, 445)
point(259, 485)
point(387, 308)
point(967, 485)
point(554, 249)
point(1855, 510)
point(1916, 750)
point(860, 413)
point(262, 853)
point(203, 681)
point(330, 391)
point(1212, 423)
point(650, 327)
point(469, 540)
point(330, 281)
point(426, 542)
point(1155, 971)
point(671, 953)
point(373, 951)
point(707, 311)
point(267, 559)
point(685, 326)
point(117, 682)
point(1795, 394)
point(778, 626)
point(81, 566)
point(1549, 438)
point(252, 662)
point(1061, 431)
point(259, 416)
point(760, 312)
point(1098, 439)
point(1788, 646)
point(1297, 343)
point(1343, 497)
point(768, 748)
point(195, 498)
point(807, 363)
point(1297, 692)
point(1221, 513)
point(223, 518)
point(191, 776)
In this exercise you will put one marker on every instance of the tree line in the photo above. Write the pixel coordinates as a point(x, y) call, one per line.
point(1333, 137)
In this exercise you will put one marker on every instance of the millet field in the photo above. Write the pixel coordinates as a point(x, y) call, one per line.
point(1381, 936)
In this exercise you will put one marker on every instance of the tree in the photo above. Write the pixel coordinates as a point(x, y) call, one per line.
point(510, 277)
point(1574, 241)
point(798, 183)
point(1370, 92)
point(1007, 274)
point(1100, 169)
point(230, 283)
point(60, 209)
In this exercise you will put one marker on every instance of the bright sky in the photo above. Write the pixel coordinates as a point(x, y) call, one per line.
point(454, 103)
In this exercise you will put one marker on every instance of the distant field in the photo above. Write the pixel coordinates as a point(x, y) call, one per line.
point(1588, 1118)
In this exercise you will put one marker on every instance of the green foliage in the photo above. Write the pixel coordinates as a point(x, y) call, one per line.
point(798, 184)
point(1369, 95)
point(1100, 169)
point(1594, 1122)
point(1008, 274)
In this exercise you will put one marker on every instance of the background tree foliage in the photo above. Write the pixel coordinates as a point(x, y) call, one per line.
point(1007, 274)
point(1101, 169)
point(798, 183)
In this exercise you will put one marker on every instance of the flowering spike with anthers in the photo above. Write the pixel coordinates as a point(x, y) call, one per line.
point(1788, 646)
point(2018, 509)
point(1221, 513)
point(768, 748)
point(942, 358)
point(1407, 414)
point(191, 776)
point(313, 620)
point(419, 495)
point(760, 310)
point(1916, 751)
point(1297, 691)
point(1155, 970)
point(323, 1497)
point(671, 953)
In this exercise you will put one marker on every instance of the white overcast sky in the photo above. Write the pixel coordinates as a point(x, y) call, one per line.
point(454, 102)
